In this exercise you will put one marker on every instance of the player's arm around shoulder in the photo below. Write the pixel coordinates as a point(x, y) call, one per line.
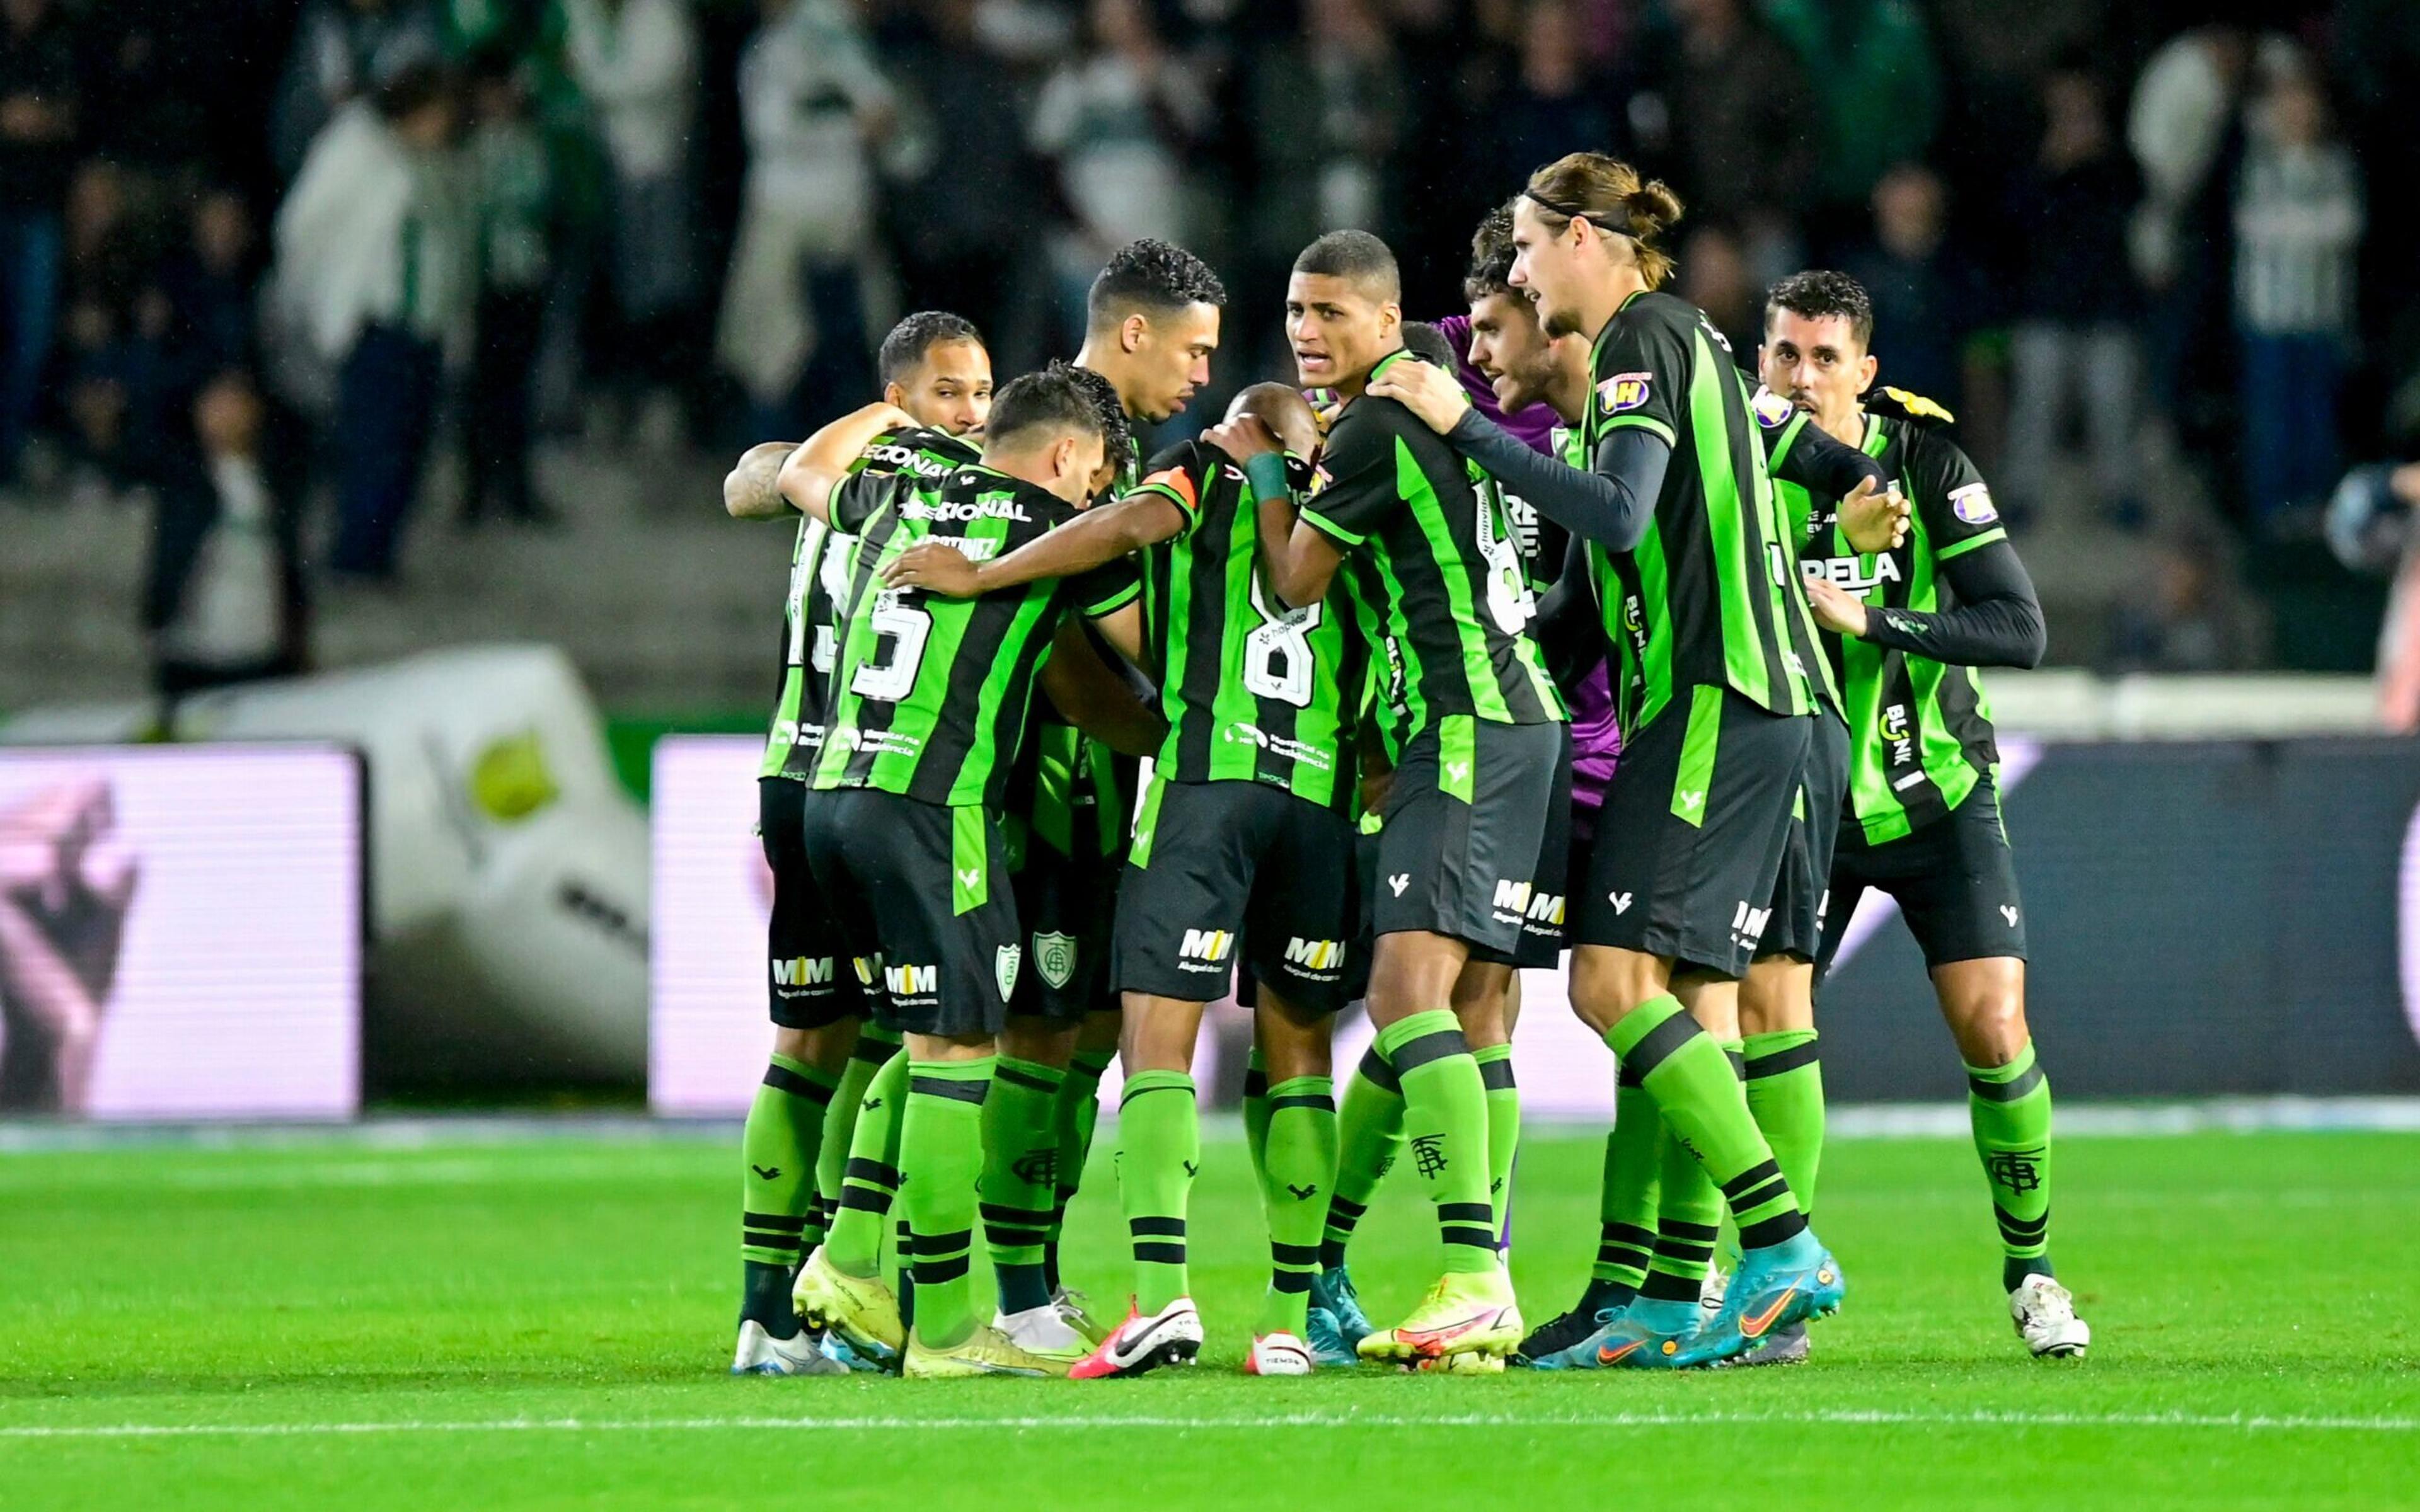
point(750, 489)
point(825, 460)
point(1352, 492)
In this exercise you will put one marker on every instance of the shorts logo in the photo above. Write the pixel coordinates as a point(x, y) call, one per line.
point(803, 971)
point(1208, 947)
point(1314, 955)
point(1749, 923)
point(2009, 912)
point(969, 876)
point(1399, 880)
point(1624, 391)
point(1546, 908)
point(1620, 901)
point(912, 981)
point(865, 966)
point(1054, 956)
point(1512, 899)
point(1973, 504)
point(1003, 968)
point(1822, 908)
point(1457, 772)
point(1691, 799)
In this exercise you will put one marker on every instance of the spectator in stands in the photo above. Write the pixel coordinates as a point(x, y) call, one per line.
point(38, 125)
point(1117, 122)
point(339, 47)
point(1744, 128)
point(636, 61)
point(2181, 129)
point(224, 600)
point(1927, 301)
point(2298, 217)
point(1879, 95)
point(2190, 621)
point(1552, 99)
point(2072, 348)
point(816, 109)
point(1328, 111)
point(967, 175)
point(1715, 277)
point(374, 255)
point(514, 183)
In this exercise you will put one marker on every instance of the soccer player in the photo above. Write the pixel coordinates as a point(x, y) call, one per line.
point(927, 698)
point(1695, 585)
point(1150, 324)
point(935, 369)
point(1245, 836)
point(1905, 631)
point(1473, 723)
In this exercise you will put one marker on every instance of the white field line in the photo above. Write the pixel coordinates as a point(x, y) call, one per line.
point(1058, 1423)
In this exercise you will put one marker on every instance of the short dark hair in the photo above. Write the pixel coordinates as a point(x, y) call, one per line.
point(1053, 400)
point(1117, 433)
point(916, 336)
point(1819, 293)
point(1422, 339)
point(1491, 255)
point(1356, 255)
point(1151, 276)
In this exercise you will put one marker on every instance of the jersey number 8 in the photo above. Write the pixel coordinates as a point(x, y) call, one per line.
point(1278, 658)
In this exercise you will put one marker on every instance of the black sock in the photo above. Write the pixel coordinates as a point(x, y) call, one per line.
point(765, 1298)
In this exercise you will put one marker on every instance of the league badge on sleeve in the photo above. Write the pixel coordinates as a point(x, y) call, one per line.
point(1973, 504)
point(1622, 391)
point(1771, 409)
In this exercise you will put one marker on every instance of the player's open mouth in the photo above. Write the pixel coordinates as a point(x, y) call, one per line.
point(1309, 362)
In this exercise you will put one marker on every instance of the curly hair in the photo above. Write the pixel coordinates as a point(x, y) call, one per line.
point(1153, 277)
point(1117, 434)
point(1819, 293)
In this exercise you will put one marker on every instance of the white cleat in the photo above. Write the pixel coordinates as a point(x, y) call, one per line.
point(1043, 1331)
point(1711, 1292)
point(2044, 1313)
point(761, 1354)
point(1070, 1305)
point(1277, 1354)
point(1172, 1335)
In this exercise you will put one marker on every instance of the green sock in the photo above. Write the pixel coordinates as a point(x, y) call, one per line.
point(875, 1045)
point(2009, 1108)
point(1445, 1129)
point(1627, 1196)
point(1256, 1118)
point(1020, 1177)
point(941, 1149)
point(1159, 1148)
point(776, 1190)
point(1368, 1135)
point(1503, 1127)
point(1696, 1089)
point(1076, 1116)
point(1688, 1216)
point(1300, 1168)
point(1785, 1096)
point(871, 1179)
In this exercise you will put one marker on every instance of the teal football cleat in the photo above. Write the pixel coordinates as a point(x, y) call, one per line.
point(1647, 1334)
point(1785, 1283)
point(1333, 1291)
point(1326, 1341)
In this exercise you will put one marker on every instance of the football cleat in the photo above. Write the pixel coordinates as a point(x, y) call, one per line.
point(1277, 1354)
point(1333, 1291)
point(2044, 1313)
point(1783, 1345)
point(1326, 1341)
point(836, 1349)
point(1463, 1364)
point(1771, 1291)
point(1070, 1306)
point(1172, 1335)
point(1464, 1313)
point(987, 1351)
point(1043, 1331)
point(1646, 1335)
point(1564, 1331)
point(1711, 1291)
point(761, 1354)
point(860, 1309)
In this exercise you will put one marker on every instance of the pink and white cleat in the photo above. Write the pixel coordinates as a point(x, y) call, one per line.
point(1172, 1335)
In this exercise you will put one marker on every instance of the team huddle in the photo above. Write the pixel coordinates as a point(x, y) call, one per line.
point(1596, 649)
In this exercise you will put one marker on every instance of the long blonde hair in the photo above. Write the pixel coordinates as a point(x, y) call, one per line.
point(1611, 197)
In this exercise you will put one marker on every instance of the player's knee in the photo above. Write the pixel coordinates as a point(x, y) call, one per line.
point(1042, 1042)
point(1990, 1027)
point(1607, 983)
point(1159, 1034)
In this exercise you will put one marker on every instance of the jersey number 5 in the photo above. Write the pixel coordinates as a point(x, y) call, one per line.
point(889, 676)
point(1278, 658)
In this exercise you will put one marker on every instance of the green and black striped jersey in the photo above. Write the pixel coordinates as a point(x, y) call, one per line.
point(1253, 692)
point(818, 585)
point(1921, 732)
point(1710, 596)
point(1433, 571)
point(929, 694)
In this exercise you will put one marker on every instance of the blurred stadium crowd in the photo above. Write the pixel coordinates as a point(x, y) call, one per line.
point(254, 253)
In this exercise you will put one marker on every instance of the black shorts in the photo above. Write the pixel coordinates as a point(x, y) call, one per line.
point(813, 984)
point(1066, 906)
point(1230, 871)
point(1954, 879)
point(1692, 835)
point(926, 890)
point(1541, 922)
point(1466, 824)
point(1802, 893)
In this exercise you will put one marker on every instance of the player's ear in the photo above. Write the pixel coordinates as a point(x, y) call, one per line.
point(893, 395)
point(1131, 334)
point(1867, 368)
point(1390, 319)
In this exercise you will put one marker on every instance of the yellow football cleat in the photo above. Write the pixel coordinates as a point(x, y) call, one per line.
point(860, 1309)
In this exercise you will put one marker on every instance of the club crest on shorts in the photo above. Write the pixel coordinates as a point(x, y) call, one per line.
point(1054, 956)
point(1624, 391)
point(1004, 968)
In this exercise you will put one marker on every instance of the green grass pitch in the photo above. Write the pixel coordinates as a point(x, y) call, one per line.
point(544, 1322)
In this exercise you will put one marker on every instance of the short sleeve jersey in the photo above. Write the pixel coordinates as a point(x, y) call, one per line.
point(929, 695)
point(1433, 570)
